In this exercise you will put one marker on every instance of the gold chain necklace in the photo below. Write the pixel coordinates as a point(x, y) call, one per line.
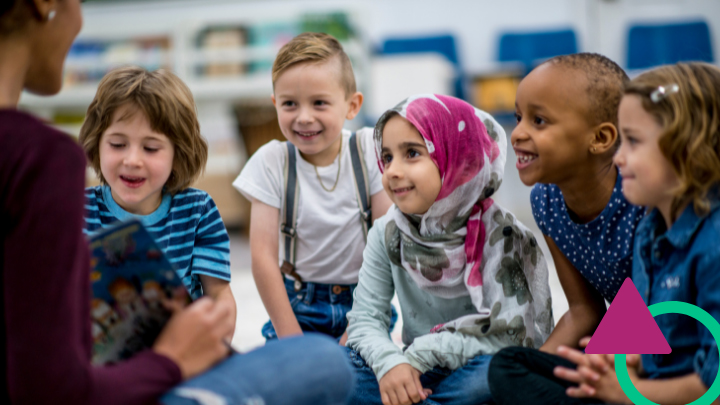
point(338, 173)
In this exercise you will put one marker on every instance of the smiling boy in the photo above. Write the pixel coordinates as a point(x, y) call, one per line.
point(323, 223)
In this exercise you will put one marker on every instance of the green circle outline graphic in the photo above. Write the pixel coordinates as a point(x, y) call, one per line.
point(671, 307)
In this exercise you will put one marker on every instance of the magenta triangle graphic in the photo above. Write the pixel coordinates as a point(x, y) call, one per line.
point(628, 327)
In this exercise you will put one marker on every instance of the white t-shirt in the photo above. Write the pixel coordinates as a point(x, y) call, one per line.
point(330, 238)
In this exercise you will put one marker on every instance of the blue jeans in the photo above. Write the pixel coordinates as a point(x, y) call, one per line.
point(311, 369)
point(466, 385)
point(320, 308)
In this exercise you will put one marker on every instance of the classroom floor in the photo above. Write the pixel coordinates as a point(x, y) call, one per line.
point(251, 314)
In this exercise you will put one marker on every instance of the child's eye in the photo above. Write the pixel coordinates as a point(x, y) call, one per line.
point(631, 141)
point(517, 118)
point(386, 159)
point(538, 121)
point(116, 145)
point(288, 104)
point(151, 150)
point(320, 103)
point(412, 153)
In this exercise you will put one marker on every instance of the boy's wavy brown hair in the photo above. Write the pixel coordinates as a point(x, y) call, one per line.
point(690, 120)
point(170, 109)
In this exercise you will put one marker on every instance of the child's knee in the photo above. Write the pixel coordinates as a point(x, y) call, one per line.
point(514, 357)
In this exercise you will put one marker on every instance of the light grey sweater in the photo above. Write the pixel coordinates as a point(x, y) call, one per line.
point(421, 311)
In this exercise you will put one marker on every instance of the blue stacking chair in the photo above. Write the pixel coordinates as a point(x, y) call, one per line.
point(528, 48)
point(653, 45)
point(442, 44)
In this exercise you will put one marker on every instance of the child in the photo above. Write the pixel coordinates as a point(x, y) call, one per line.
point(470, 278)
point(565, 138)
point(143, 139)
point(670, 129)
point(313, 193)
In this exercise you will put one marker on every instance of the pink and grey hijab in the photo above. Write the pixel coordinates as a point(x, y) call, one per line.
point(465, 244)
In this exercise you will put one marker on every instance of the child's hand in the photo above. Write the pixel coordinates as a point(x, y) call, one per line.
point(595, 374)
point(605, 387)
point(596, 364)
point(343, 339)
point(590, 367)
point(401, 386)
point(178, 301)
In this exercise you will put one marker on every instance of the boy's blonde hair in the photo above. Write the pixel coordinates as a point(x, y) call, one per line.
point(690, 120)
point(170, 109)
point(315, 47)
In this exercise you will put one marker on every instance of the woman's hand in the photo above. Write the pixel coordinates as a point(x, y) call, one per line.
point(194, 336)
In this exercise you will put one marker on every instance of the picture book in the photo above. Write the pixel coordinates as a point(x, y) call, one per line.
point(130, 278)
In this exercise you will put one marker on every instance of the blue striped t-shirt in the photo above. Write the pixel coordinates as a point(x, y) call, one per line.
point(186, 226)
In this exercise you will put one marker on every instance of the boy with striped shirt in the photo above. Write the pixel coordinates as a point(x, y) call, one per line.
point(142, 138)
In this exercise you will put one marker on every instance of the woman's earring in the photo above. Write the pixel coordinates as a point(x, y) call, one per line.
point(593, 149)
point(51, 15)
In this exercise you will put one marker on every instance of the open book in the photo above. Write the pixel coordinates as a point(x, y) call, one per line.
point(130, 278)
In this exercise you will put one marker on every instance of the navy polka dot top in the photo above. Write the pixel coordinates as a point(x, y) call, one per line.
point(601, 249)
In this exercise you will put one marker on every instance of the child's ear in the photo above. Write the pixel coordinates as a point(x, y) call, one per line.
point(272, 97)
point(355, 103)
point(604, 140)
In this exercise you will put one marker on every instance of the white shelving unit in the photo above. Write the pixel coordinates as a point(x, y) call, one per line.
point(179, 30)
point(184, 56)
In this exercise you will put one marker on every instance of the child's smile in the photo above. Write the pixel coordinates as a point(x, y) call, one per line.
point(524, 158)
point(410, 176)
point(308, 135)
point(403, 191)
point(132, 181)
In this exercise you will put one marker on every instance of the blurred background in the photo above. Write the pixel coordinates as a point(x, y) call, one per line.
point(477, 50)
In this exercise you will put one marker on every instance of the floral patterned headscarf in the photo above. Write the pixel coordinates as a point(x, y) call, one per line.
point(465, 244)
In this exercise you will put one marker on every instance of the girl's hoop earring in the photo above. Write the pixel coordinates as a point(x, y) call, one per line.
point(51, 15)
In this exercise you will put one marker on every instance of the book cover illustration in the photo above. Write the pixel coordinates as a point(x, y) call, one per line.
point(130, 278)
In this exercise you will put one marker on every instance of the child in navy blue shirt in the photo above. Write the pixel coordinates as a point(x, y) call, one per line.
point(565, 138)
point(670, 161)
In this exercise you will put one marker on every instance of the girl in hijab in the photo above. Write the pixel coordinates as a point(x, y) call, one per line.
point(470, 278)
